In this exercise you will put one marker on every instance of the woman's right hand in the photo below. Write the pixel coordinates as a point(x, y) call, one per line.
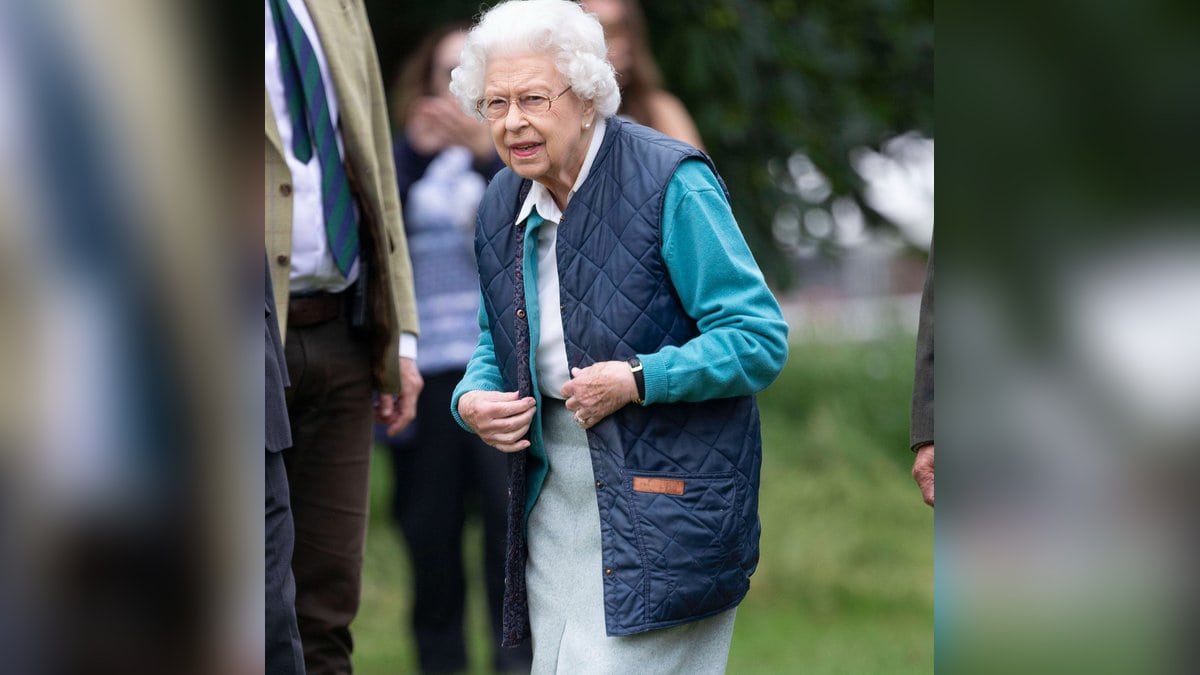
point(500, 418)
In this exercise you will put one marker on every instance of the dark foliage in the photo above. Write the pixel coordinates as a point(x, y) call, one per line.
point(765, 79)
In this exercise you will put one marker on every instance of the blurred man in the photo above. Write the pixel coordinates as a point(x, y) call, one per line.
point(283, 652)
point(921, 435)
point(340, 268)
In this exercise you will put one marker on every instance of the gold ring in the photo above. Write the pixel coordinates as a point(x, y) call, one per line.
point(580, 421)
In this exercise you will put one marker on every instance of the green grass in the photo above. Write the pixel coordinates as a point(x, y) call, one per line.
point(845, 583)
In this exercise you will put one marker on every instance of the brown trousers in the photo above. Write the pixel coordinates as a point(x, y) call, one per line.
point(328, 467)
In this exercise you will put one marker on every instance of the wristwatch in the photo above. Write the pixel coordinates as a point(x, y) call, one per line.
point(635, 364)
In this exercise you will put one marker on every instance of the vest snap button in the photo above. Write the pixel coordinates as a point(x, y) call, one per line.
point(599, 484)
point(520, 314)
point(608, 571)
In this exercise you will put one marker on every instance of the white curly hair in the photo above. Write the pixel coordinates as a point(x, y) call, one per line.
point(560, 29)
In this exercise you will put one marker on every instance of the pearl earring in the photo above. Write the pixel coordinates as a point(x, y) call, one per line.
point(587, 125)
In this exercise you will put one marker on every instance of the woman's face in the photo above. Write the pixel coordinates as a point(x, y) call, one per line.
point(611, 14)
point(547, 147)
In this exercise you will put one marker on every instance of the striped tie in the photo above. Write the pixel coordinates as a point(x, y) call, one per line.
point(312, 129)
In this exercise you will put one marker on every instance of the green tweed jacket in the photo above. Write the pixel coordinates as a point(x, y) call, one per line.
point(349, 49)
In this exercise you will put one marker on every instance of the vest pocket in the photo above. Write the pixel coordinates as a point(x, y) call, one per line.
point(688, 538)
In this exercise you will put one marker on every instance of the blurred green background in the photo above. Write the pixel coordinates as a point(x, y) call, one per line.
point(845, 584)
point(793, 99)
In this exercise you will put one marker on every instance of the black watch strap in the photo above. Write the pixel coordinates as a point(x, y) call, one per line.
point(639, 378)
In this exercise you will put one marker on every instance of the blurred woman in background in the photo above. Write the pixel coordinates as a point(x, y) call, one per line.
point(643, 98)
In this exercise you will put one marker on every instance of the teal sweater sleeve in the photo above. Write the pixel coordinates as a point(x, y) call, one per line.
point(742, 345)
point(482, 370)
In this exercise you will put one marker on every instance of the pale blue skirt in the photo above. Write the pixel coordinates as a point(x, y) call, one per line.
point(564, 575)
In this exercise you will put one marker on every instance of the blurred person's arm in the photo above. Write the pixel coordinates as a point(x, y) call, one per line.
point(395, 411)
point(381, 146)
point(672, 118)
point(921, 435)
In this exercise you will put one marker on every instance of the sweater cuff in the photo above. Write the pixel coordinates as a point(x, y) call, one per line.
point(454, 411)
point(408, 346)
point(654, 369)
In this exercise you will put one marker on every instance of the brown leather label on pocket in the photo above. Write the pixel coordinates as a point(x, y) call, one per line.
point(664, 486)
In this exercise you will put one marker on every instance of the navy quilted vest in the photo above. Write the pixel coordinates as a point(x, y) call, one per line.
point(668, 558)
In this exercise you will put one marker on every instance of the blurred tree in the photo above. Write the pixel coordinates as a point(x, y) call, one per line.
point(783, 92)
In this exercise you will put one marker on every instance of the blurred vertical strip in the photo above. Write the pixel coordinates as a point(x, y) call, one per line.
point(1069, 336)
point(130, 419)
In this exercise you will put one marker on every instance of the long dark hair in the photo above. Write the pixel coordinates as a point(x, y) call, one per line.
point(643, 77)
point(415, 78)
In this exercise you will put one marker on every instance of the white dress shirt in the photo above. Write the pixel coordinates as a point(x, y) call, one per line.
point(313, 268)
point(553, 371)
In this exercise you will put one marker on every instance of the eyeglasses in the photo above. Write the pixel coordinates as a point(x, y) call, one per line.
point(496, 107)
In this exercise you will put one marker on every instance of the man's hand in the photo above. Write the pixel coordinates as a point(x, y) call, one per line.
point(922, 472)
point(398, 412)
point(500, 418)
point(599, 390)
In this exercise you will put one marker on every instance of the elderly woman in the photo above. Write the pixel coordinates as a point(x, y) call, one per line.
point(625, 331)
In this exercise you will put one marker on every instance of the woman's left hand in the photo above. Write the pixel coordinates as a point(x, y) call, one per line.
point(599, 390)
